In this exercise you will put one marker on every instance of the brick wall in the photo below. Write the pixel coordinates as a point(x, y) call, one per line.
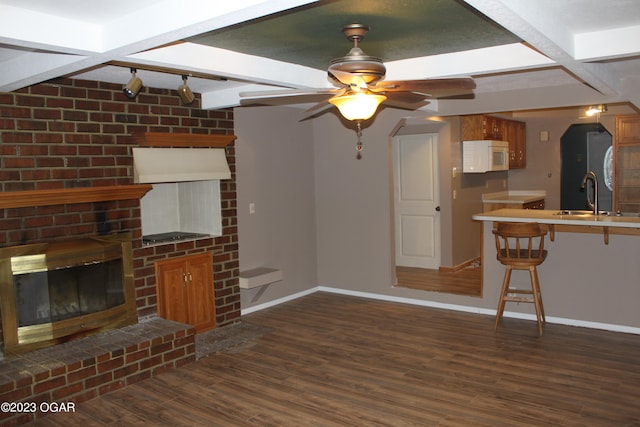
point(74, 133)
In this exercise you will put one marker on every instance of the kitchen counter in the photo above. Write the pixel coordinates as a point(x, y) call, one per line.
point(557, 217)
point(584, 281)
point(513, 199)
point(514, 196)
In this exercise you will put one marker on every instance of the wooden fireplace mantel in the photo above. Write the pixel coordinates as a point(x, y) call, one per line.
point(61, 196)
point(186, 140)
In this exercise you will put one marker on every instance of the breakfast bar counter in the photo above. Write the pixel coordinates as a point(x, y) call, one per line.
point(591, 276)
point(561, 217)
point(569, 221)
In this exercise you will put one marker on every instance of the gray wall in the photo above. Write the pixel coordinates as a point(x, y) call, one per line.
point(275, 170)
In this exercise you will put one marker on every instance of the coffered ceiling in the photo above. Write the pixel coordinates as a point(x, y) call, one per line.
point(523, 55)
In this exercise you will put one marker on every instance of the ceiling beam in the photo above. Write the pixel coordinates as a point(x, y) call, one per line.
point(529, 21)
point(504, 58)
point(164, 22)
point(230, 64)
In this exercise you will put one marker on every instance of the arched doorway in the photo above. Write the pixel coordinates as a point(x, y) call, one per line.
point(584, 148)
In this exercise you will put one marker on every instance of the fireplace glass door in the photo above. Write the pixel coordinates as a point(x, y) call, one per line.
point(54, 292)
point(51, 296)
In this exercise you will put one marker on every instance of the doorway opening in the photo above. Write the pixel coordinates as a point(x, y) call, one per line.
point(418, 218)
point(417, 201)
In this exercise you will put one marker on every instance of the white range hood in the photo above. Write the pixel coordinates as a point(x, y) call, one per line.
point(156, 165)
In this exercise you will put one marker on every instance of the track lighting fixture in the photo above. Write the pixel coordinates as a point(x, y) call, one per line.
point(596, 109)
point(184, 92)
point(134, 85)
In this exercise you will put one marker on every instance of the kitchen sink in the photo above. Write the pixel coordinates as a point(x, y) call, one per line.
point(590, 213)
point(574, 213)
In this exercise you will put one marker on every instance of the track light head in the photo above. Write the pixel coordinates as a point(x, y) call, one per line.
point(596, 109)
point(185, 93)
point(134, 85)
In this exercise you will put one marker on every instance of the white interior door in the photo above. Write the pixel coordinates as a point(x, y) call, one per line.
point(417, 199)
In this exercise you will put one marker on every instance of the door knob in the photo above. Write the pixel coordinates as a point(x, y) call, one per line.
point(437, 208)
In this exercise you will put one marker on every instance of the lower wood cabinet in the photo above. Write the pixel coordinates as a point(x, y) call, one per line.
point(185, 290)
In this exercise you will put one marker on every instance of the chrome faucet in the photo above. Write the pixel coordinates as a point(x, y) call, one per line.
point(592, 205)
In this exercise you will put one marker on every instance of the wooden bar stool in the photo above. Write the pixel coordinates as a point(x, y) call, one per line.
point(520, 246)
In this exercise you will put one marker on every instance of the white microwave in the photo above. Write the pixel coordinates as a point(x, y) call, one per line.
point(485, 156)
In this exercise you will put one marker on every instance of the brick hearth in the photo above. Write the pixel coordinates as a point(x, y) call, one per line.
point(81, 370)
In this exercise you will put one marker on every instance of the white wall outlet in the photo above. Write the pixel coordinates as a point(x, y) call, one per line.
point(544, 136)
point(252, 208)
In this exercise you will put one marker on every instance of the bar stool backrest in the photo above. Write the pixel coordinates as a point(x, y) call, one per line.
point(520, 244)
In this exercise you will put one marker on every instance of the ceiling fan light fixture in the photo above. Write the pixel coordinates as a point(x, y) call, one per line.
point(596, 109)
point(359, 105)
point(185, 93)
point(134, 85)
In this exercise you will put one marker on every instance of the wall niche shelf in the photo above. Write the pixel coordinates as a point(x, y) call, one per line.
point(62, 196)
point(259, 277)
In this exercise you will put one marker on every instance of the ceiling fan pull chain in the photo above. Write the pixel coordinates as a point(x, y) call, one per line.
point(359, 144)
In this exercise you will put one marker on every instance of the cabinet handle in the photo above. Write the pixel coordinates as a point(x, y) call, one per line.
point(190, 278)
point(184, 278)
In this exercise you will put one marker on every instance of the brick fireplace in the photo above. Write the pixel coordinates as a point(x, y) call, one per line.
point(77, 136)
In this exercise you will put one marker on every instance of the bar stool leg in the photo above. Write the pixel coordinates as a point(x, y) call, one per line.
point(539, 293)
point(503, 294)
point(537, 297)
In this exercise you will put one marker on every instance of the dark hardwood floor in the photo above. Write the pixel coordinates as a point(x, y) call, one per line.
point(467, 281)
point(335, 360)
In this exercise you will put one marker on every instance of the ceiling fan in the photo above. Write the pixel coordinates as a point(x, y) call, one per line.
point(360, 86)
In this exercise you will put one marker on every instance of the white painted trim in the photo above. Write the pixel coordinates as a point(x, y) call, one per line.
point(278, 301)
point(453, 307)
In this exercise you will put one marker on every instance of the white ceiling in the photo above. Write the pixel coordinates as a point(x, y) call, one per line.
point(573, 52)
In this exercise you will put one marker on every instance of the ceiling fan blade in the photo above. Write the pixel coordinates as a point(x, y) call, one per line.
point(406, 97)
point(433, 87)
point(296, 99)
point(285, 92)
point(320, 107)
point(405, 100)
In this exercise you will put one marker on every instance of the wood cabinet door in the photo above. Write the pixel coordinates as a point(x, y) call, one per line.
point(510, 135)
point(628, 129)
point(171, 283)
point(515, 133)
point(200, 297)
point(494, 128)
point(185, 290)
point(626, 159)
point(517, 144)
point(472, 128)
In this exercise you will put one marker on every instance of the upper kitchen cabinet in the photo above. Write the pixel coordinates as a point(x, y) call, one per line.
point(516, 134)
point(626, 159)
point(628, 130)
point(481, 126)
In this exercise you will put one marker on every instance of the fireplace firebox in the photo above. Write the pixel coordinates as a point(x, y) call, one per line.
point(54, 292)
